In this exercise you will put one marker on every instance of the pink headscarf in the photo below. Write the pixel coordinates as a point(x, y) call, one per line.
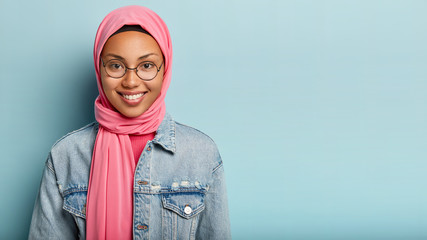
point(110, 193)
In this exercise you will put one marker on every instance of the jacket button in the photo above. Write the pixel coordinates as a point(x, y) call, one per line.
point(142, 182)
point(142, 227)
point(187, 210)
point(149, 149)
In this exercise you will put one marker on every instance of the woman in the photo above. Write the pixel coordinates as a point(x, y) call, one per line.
point(135, 172)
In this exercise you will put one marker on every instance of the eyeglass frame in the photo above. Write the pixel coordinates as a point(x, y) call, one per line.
point(136, 69)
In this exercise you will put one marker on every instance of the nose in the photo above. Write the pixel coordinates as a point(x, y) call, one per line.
point(130, 79)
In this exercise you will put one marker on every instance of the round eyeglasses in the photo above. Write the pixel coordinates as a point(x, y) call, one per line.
point(145, 70)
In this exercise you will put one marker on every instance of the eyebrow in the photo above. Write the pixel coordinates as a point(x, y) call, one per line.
point(122, 58)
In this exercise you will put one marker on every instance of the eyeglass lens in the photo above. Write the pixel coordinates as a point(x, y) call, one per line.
point(145, 70)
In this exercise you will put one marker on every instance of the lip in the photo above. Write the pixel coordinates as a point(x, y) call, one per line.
point(132, 102)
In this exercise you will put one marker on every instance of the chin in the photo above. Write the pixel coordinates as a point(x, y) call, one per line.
point(132, 114)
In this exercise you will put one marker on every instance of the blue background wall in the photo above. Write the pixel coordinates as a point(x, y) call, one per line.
point(319, 108)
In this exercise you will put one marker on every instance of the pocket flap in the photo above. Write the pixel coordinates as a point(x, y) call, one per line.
point(75, 203)
point(185, 204)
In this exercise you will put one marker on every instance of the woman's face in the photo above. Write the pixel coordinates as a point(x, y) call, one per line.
point(130, 95)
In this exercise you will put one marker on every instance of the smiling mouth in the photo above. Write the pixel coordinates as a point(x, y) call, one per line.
point(132, 97)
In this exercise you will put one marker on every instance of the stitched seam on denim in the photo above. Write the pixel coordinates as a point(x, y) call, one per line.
point(217, 167)
point(134, 213)
point(202, 189)
point(162, 191)
point(174, 226)
point(150, 198)
point(193, 228)
point(75, 212)
point(70, 208)
point(178, 211)
point(197, 131)
point(172, 149)
point(75, 131)
point(163, 224)
point(171, 135)
point(49, 165)
point(75, 190)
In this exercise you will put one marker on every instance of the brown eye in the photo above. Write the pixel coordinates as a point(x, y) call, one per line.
point(115, 66)
point(147, 66)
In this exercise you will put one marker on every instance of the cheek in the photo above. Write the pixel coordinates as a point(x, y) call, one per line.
point(107, 84)
point(156, 85)
point(159, 88)
point(103, 81)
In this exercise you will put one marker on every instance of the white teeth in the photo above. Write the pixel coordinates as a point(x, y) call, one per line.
point(132, 97)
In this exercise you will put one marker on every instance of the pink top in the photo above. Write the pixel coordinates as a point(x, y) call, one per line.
point(138, 144)
point(109, 213)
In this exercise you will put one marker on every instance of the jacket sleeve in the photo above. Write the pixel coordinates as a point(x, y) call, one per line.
point(49, 220)
point(214, 222)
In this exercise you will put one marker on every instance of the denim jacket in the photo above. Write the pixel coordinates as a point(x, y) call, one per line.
point(179, 187)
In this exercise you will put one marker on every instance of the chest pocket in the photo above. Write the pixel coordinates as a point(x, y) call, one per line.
point(185, 204)
point(75, 202)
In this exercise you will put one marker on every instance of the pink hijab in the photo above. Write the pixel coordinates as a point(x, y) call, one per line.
point(110, 194)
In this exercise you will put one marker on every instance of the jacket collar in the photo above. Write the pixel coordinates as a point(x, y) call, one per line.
point(165, 135)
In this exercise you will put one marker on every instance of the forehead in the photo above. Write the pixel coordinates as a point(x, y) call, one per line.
point(131, 44)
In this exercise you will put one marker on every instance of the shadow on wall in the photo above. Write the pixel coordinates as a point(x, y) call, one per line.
point(88, 93)
point(83, 98)
point(70, 112)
